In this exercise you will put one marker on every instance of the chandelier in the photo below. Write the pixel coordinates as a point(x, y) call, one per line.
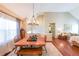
point(33, 21)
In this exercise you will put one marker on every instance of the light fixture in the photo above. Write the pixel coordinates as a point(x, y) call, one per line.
point(33, 21)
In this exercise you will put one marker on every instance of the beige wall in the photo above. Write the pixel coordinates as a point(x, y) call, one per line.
point(42, 28)
point(61, 18)
point(23, 24)
point(38, 28)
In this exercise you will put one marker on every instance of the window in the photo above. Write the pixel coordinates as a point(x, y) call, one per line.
point(8, 29)
point(75, 28)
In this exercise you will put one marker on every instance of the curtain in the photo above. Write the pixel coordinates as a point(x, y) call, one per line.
point(8, 30)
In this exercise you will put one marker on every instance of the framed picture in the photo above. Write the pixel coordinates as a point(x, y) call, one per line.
point(52, 28)
point(67, 27)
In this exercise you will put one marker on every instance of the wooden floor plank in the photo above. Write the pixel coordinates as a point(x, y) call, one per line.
point(65, 48)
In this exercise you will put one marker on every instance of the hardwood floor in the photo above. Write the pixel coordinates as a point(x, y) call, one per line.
point(65, 48)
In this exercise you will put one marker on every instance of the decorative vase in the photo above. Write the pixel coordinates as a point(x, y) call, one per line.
point(34, 38)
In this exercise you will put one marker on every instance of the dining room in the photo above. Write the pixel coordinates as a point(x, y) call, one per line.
point(22, 37)
point(37, 29)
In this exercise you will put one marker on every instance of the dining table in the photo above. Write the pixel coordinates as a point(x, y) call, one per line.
point(40, 42)
point(24, 42)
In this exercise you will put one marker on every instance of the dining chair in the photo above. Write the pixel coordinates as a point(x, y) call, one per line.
point(16, 39)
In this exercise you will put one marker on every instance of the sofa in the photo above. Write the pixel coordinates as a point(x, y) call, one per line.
point(74, 40)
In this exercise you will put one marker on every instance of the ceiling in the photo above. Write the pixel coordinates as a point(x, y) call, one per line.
point(26, 9)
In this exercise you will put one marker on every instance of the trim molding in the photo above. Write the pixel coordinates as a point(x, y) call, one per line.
point(7, 11)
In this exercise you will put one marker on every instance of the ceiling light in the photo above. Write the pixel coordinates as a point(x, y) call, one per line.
point(33, 21)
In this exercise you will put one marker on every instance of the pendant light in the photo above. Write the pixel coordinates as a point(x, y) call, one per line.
point(33, 21)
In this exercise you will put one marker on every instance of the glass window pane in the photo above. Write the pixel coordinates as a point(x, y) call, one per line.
point(8, 30)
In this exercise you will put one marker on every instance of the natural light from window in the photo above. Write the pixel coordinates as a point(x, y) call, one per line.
point(8, 29)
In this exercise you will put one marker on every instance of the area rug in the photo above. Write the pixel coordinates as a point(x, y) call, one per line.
point(51, 51)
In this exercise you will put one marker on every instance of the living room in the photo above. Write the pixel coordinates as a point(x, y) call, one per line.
point(54, 20)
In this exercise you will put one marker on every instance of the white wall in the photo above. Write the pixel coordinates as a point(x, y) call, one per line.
point(75, 12)
point(61, 18)
point(38, 28)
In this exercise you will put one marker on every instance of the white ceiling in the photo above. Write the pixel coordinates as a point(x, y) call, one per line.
point(25, 9)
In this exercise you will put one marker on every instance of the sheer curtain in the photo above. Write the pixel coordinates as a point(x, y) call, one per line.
point(8, 30)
